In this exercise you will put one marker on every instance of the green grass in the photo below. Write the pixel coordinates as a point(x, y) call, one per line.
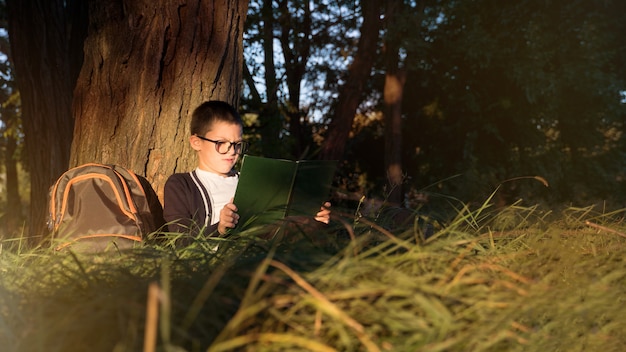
point(514, 279)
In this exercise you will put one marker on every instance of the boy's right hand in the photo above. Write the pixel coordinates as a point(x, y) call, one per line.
point(228, 218)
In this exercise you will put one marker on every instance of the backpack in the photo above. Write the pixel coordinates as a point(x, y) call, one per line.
point(94, 207)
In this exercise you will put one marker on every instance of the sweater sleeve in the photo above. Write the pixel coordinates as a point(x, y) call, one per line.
point(177, 200)
point(183, 209)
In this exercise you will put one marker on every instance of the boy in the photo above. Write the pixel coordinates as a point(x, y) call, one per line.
point(203, 198)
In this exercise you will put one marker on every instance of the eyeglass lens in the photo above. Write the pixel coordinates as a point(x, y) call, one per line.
point(224, 147)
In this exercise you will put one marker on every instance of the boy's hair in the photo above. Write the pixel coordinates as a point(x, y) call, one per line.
point(209, 112)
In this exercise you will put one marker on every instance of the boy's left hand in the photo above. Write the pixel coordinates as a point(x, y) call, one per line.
point(324, 214)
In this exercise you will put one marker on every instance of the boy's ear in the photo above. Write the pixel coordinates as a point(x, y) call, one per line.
point(196, 143)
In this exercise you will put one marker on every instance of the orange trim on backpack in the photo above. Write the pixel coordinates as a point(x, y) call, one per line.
point(127, 192)
point(53, 198)
point(90, 176)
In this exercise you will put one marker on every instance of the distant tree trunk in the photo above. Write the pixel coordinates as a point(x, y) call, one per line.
point(148, 64)
point(269, 116)
point(12, 217)
point(46, 45)
point(295, 42)
point(393, 93)
point(351, 92)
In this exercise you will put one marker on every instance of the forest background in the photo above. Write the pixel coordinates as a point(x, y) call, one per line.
point(420, 100)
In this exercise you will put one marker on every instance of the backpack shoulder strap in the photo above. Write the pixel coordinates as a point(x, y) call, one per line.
point(137, 197)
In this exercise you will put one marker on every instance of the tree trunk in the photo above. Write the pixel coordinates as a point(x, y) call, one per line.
point(295, 39)
point(351, 92)
point(269, 116)
point(393, 93)
point(12, 217)
point(148, 64)
point(46, 45)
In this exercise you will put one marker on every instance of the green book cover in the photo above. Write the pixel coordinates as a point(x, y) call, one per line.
point(271, 189)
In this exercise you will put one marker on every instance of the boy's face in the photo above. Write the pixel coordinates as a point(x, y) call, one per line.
point(208, 157)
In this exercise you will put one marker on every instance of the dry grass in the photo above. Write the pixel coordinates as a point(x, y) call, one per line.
point(519, 279)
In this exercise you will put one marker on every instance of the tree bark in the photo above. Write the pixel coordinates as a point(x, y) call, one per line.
point(148, 64)
point(12, 217)
point(46, 45)
point(351, 92)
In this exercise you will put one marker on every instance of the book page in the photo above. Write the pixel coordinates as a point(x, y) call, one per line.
point(271, 189)
point(263, 190)
point(311, 187)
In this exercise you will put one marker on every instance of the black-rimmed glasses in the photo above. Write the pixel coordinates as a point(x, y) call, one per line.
point(223, 147)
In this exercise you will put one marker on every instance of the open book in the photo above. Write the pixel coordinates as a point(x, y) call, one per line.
point(271, 189)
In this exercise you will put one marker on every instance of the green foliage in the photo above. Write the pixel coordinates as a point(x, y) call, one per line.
point(494, 90)
point(518, 88)
point(13, 190)
point(516, 279)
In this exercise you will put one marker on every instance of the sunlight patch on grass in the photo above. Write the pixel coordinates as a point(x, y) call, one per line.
point(517, 279)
